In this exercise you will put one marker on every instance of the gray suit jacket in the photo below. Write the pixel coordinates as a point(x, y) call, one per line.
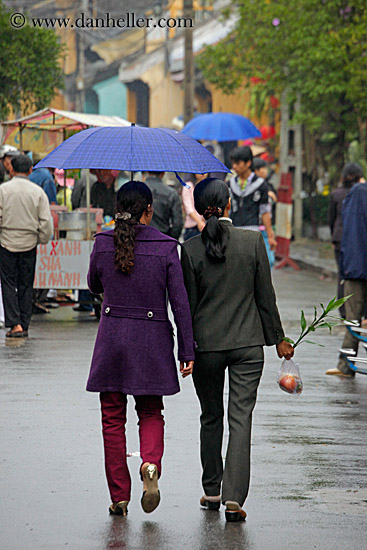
point(232, 304)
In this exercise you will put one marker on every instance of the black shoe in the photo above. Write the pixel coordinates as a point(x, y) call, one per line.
point(210, 504)
point(39, 309)
point(234, 512)
point(81, 309)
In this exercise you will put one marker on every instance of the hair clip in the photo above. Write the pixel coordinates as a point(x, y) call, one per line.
point(123, 216)
point(212, 211)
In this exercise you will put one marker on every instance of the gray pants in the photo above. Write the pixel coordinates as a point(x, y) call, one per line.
point(245, 367)
point(354, 309)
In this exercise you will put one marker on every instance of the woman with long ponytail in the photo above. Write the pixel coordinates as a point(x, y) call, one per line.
point(234, 314)
point(135, 266)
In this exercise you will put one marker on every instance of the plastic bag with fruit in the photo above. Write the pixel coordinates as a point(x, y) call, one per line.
point(289, 377)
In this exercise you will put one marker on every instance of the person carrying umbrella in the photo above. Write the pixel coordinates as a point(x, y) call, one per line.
point(135, 266)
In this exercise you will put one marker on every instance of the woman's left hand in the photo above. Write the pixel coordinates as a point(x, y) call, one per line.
point(186, 368)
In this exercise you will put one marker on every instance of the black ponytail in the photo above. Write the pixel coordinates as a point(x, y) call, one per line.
point(211, 197)
point(132, 201)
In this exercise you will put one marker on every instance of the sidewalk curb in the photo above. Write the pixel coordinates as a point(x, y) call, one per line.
point(308, 266)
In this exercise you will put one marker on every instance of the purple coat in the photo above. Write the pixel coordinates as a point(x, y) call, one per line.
point(133, 353)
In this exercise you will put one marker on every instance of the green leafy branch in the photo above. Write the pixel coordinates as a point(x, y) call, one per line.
point(323, 321)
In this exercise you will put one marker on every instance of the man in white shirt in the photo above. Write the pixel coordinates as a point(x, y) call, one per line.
point(25, 221)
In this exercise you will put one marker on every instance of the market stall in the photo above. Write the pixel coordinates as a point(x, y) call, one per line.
point(61, 264)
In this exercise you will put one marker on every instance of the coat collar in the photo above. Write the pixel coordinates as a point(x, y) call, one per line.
point(143, 233)
point(225, 221)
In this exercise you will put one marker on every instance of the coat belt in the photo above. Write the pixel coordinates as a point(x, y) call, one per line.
point(150, 314)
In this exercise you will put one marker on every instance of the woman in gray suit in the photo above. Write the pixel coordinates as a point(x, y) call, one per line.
point(234, 313)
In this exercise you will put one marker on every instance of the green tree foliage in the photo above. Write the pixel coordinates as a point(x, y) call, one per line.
point(29, 66)
point(314, 47)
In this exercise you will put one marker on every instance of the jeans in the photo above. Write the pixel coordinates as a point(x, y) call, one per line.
point(354, 309)
point(270, 253)
point(191, 232)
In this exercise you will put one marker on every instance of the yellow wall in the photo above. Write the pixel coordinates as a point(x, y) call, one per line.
point(166, 96)
point(234, 103)
point(131, 105)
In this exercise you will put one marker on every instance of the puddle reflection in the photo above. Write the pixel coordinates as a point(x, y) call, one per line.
point(117, 533)
point(215, 532)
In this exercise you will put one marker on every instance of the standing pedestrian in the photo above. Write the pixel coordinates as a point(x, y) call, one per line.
point(135, 266)
point(353, 266)
point(262, 171)
point(234, 314)
point(167, 216)
point(25, 221)
point(79, 193)
point(7, 152)
point(194, 223)
point(103, 194)
point(352, 173)
point(44, 178)
point(249, 195)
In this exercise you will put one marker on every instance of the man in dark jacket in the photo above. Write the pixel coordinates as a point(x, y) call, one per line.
point(353, 265)
point(167, 209)
point(351, 174)
point(79, 194)
point(103, 194)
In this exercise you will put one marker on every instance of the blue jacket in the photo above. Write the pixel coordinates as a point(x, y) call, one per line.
point(43, 178)
point(353, 253)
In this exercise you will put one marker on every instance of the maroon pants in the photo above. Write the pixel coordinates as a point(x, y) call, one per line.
point(151, 431)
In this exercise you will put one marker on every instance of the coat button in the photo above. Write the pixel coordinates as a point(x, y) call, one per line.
point(150, 314)
point(107, 310)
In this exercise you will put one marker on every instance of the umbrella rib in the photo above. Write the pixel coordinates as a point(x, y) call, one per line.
point(181, 144)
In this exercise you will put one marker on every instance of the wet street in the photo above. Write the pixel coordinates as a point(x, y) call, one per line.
point(309, 454)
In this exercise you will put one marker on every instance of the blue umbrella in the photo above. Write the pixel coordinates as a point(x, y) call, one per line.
point(221, 127)
point(133, 149)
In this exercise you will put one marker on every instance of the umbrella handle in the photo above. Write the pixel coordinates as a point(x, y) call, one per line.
point(182, 181)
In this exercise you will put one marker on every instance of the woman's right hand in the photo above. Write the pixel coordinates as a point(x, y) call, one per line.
point(285, 349)
point(186, 368)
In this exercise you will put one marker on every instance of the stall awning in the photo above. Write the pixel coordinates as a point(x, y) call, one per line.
point(44, 130)
point(56, 120)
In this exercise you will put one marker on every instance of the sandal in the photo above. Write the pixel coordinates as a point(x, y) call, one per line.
point(19, 334)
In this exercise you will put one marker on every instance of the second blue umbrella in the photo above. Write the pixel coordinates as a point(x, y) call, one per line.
point(221, 127)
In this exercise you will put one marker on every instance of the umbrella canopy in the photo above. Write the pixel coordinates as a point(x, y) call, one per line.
point(133, 149)
point(221, 127)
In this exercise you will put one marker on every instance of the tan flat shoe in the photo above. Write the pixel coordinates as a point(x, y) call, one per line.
point(119, 508)
point(234, 512)
point(337, 372)
point(151, 496)
point(210, 503)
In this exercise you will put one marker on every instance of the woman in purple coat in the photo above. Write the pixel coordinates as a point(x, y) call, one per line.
point(135, 266)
